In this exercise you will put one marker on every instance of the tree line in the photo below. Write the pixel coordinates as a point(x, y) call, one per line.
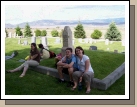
point(112, 32)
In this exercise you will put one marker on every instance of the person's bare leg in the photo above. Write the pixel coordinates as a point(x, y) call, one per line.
point(16, 69)
point(24, 71)
point(70, 70)
point(59, 68)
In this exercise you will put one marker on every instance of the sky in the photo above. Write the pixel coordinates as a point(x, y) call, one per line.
point(25, 12)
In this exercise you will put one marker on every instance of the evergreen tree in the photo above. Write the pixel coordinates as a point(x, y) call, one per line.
point(27, 31)
point(18, 31)
point(43, 33)
point(113, 34)
point(79, 31)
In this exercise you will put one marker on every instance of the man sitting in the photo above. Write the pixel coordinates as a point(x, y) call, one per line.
point(67, 65)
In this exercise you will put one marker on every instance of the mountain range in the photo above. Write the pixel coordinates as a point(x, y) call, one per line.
point(40, 23)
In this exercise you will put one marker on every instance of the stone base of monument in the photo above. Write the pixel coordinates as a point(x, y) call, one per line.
point(103, 84)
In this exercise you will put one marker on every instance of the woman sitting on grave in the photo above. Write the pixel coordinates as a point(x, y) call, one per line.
point(33, 60)
point(43, 52)
point(85, 72)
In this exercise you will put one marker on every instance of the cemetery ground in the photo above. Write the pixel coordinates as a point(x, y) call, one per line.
point(103, 61)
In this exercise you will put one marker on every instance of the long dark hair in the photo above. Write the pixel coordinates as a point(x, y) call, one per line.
point(41, 46)
point(79, 47)
point(34, 44)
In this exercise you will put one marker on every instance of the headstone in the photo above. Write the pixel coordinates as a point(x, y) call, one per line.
point(10, 34)
point(33, 39)
point(107, 48)
point(90, 40)
point(67, 40)
point(107, 41)
point(44, 42)
point(115, 51)
point(25, 42)
point(95, 41)
point(123, 42)
point(15, 35)
point(19, 41)
point(58, 40)
point(93, 48)
point(34, 34)
point(86, 40)
point(111, 42)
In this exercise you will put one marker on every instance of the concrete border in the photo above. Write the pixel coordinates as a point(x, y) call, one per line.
point(103, 84)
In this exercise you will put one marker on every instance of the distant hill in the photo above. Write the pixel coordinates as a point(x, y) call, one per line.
point(118, 21)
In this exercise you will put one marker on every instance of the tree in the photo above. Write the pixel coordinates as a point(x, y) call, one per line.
point(79, 31)
point(37, 32)
point(18, 31)
point(6, 33)
point(54, 33)
point(113, 33)
point(43, 33)
point(27, 31)
point(96, 34)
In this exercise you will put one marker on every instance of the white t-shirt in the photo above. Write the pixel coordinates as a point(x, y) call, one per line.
point(81, 63)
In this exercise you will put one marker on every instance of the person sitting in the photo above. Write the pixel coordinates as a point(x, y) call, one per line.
point(33, 60)
point(85, 70)
point(43, 52)
point(57, 59)
point(67, 65)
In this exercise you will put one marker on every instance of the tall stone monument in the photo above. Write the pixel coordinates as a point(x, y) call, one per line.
point(67, 40)
point(44, 42)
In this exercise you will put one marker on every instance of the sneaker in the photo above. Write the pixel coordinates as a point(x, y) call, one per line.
point(70, 83)
point(61, 81)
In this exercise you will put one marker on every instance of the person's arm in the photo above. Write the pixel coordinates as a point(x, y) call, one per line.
point(68, 65)
point(87, 64)
point(34, 56)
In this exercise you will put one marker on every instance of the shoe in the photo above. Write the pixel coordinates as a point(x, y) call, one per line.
point(70, 83)
point(73, 88)
point(87, 92)
point(61, 81)
point(22, 75)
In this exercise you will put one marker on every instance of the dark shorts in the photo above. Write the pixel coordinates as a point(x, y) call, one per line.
point(65, 70)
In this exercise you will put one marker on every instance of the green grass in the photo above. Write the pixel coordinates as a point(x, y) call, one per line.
point(102, 61)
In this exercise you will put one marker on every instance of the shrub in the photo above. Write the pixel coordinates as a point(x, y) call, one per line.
point(54, 33)
point(43, 33)
point(38, 32)
point(96, 34)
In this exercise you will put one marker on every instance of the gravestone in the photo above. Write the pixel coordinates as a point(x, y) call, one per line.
point(115, 51)
point(33, 39)
point(67, 40)
point(123, 42)
point(19, 41)
point(93, 48)
point(44, 42)
point(34, 34)
point(5, 35)
point(10, 34)
point(90, 40)
point(15, 35)
point(58, 40)
point(107, 41)
point(86, 40)
point(25, 42)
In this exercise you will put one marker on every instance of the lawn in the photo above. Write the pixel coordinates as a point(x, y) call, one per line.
point(102, 61)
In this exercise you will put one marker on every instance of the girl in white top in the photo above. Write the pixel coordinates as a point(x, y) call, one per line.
point(85, 70)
